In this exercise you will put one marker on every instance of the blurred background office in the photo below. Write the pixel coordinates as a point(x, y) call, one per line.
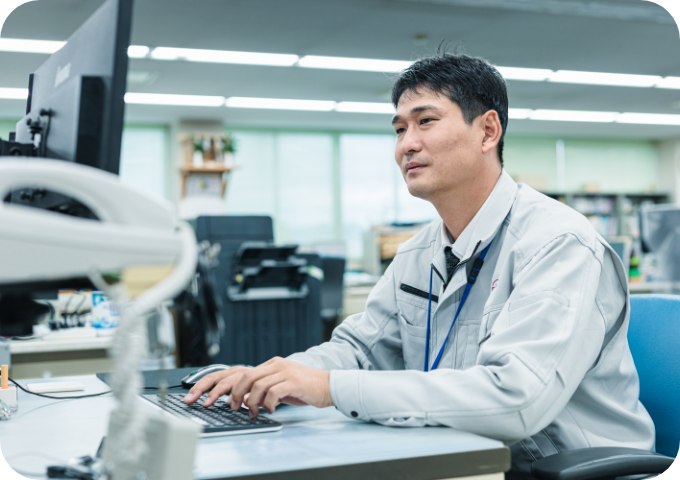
point(282, 109)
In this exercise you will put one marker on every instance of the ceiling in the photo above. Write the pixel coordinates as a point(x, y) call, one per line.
point(618, 36)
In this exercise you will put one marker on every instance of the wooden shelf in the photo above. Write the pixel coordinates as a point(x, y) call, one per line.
point(210, 170)
point(208, 167)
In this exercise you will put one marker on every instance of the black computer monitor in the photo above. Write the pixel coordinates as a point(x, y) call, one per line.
point(79, 92)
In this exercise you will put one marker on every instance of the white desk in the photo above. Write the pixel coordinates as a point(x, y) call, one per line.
point(313, 444)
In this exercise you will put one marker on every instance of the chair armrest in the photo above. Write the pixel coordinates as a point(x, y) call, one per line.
point(599, 463)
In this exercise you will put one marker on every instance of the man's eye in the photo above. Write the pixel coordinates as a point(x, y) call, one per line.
point(399, 130)
point(425, 120)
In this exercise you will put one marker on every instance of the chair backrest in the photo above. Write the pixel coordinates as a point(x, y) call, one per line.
point(654, 339)
point(332, 287)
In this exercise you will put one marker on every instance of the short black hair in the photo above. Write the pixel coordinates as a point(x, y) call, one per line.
point(472, 83)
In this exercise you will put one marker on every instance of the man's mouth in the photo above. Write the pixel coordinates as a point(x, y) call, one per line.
point(414, 167)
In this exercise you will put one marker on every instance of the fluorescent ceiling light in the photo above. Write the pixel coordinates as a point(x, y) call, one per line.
point(527, 74)
point(168, 99)
point(29, 46)
point(649, 118)
point(224, 56)
point(345, 63)
point(349, 63)
point(365, 107)
point(599, 78)
point(138, 51)
point(599, 117)
point(519, 113)
point(573, 116)
point(669, 82)
point(369, 107)
point(14, 93)
point(280, 104)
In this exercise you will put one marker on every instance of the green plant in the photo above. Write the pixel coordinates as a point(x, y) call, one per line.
point(198, 144)
point(228, 144)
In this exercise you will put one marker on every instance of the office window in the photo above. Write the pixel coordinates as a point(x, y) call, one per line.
point(142, 159)
point(411, 209)
point(252, 186)
point(287, 176)
point(305, 206)
point(368, 179)
point(373, 190)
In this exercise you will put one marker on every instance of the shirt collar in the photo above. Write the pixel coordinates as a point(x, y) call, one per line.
point(447, 239)
point(484, 225)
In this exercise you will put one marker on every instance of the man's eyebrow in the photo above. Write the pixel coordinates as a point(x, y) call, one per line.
point(419, 109)
point(423, 108)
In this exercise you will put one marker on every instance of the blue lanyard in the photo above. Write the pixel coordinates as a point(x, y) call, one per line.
point(476, 267)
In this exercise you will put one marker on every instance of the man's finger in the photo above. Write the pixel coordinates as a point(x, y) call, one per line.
point(246, 381)
point(276, 394)
point(207, 382)
point(222, 388)
point(259, 391)
point(203, 385)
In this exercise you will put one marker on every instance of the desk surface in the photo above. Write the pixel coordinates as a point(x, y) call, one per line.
point(313, 443)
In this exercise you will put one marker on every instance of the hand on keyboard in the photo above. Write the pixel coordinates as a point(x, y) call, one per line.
point(276, 381)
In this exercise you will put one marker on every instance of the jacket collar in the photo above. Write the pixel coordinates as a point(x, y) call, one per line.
point(482, 228)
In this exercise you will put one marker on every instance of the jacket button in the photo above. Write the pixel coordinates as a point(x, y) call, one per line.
point(355, 414)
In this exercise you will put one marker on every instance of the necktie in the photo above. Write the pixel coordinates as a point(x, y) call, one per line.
point(451, 263)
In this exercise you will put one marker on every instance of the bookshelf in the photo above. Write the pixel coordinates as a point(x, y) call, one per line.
point(612, 214)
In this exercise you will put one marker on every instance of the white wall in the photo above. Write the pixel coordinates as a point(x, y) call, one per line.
point(616, 165)
point(669, 168)
point(144, 159)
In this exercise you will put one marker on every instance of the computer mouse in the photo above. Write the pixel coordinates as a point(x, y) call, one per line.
point(191, 379)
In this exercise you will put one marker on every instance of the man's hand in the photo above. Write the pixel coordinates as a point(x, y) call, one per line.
point(276, 381)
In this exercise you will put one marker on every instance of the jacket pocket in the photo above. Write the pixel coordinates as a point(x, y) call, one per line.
point(413, 308)
point(417, 292)
point(413, 339)
point(488, 320)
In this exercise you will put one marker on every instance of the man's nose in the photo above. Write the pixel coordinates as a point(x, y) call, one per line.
point(411, 142)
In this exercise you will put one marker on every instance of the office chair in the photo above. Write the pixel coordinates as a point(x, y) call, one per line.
point(653, 336)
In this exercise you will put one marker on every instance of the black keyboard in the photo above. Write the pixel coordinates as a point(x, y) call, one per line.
point(217, 419)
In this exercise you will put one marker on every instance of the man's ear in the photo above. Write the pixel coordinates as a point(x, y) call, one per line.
point(492, 131)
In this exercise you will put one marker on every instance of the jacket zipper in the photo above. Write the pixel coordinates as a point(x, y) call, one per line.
point(467, 259)
point(417, 292)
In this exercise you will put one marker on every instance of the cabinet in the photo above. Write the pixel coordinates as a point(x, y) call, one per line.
point(381, 243)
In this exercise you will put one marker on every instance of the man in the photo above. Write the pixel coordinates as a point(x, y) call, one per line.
point(536, 357)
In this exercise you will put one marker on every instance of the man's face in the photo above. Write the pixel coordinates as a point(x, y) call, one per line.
point(436, 149)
